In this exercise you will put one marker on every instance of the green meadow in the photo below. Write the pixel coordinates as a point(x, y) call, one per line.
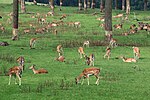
point(118, 80)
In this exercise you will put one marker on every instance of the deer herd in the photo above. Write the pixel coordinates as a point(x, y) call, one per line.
point(89, 60)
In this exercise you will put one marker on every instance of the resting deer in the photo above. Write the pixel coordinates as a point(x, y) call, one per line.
point(61, 59)
point(86, 43)
point(86, 73)
point(136, 52)
point(39, 71)
point(108, 53)
point(90, 60)
point(81, 51)
point(128, 59)
point(32, 43)
point(59, 50)
point(21, 61)
point(117, 26)
point(15, 71)
point(113, 43)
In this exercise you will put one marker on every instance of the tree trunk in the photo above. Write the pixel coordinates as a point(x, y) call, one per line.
point(80, 4)
point(51, 2)
point(145, 5)
point(34, 1)
point(88, 3)
point(116, 4)
point(15, 20)
point(123, 5)
point(85, 5)
point(23, 9)
point(93, 4)
point(127, 7)
point(108, 19)
point(101, 5)
point(61, 5)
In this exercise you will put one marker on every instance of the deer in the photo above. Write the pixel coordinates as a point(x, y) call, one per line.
point(86, 73)
point(117, 26)
point(90, 59)
point(61, 59)
point(118, 16)
point(113, 43)
point(32, 43)
point(59, 50)
point(15, 71)
point(128, 59)
point(21, 61)
point(86, 43)
point(26, 31)
point(108, 53)
point(101, 19)
point(63, 16)
point(50, 13)
point(77, 24)
point(81, 52)
point(39, 71)
point(133, 26)
point(41, 20)
point(2, 29)
point(136, 52)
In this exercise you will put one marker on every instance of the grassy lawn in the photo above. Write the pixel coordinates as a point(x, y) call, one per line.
point(119, 80)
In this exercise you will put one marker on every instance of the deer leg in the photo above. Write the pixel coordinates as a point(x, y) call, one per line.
point(88, 80)
point(82, 81)
point(15, 80)
point(19, 79)
point(97, 81)
point(9, 79)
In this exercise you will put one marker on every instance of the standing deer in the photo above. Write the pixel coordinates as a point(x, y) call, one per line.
point(136, 52)
point(86, 73)
point(81, 51)
point(113, 43)
point(86, 43)
point(59, 50)
point(90, 60)
point(108, 53)
point(21, 61)
point(32, 43)
point(15, 71)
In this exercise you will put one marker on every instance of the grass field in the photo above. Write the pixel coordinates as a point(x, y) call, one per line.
point(119, 80)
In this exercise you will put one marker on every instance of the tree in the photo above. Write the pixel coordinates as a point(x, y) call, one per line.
point(51, 2)
point(127, 7)
point(88, 3)
point(123, 5)
point(60, 4)
point(80, 4)
point(145, 5)
point(101, 5)
point(116, 4)
point(93, 4)
point(108, 19)
point(85, 5)
point(23, 9)
point(15, 20)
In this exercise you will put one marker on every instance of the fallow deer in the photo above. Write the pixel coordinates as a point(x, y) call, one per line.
point(26, 31)
point(15, 71)
point(113, 43)
point(86, 73)
point(32, 43)
point(117, 26)
point(39, 71)
point(118, 16)
point(136, 52)
point(77, 24)
point(59, 50)
point(81, 52)
point(86, 43)
point(128, 59)
point(63, 16)
point(2, 29)
point(108, 53)
point(61, 59)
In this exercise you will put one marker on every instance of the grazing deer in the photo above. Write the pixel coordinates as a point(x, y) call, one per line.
point(77, 24)
point(128, 59)
point(113, 43)
point(39, 71)
point(90, 60)
point(21, 61)
point(61, 59)
point(86, 43)
point(81, 52)
point(86, 73)
point(108, 53)
point(136, 52)
point(59, 50)
point(32, 43)
point(15, 71)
